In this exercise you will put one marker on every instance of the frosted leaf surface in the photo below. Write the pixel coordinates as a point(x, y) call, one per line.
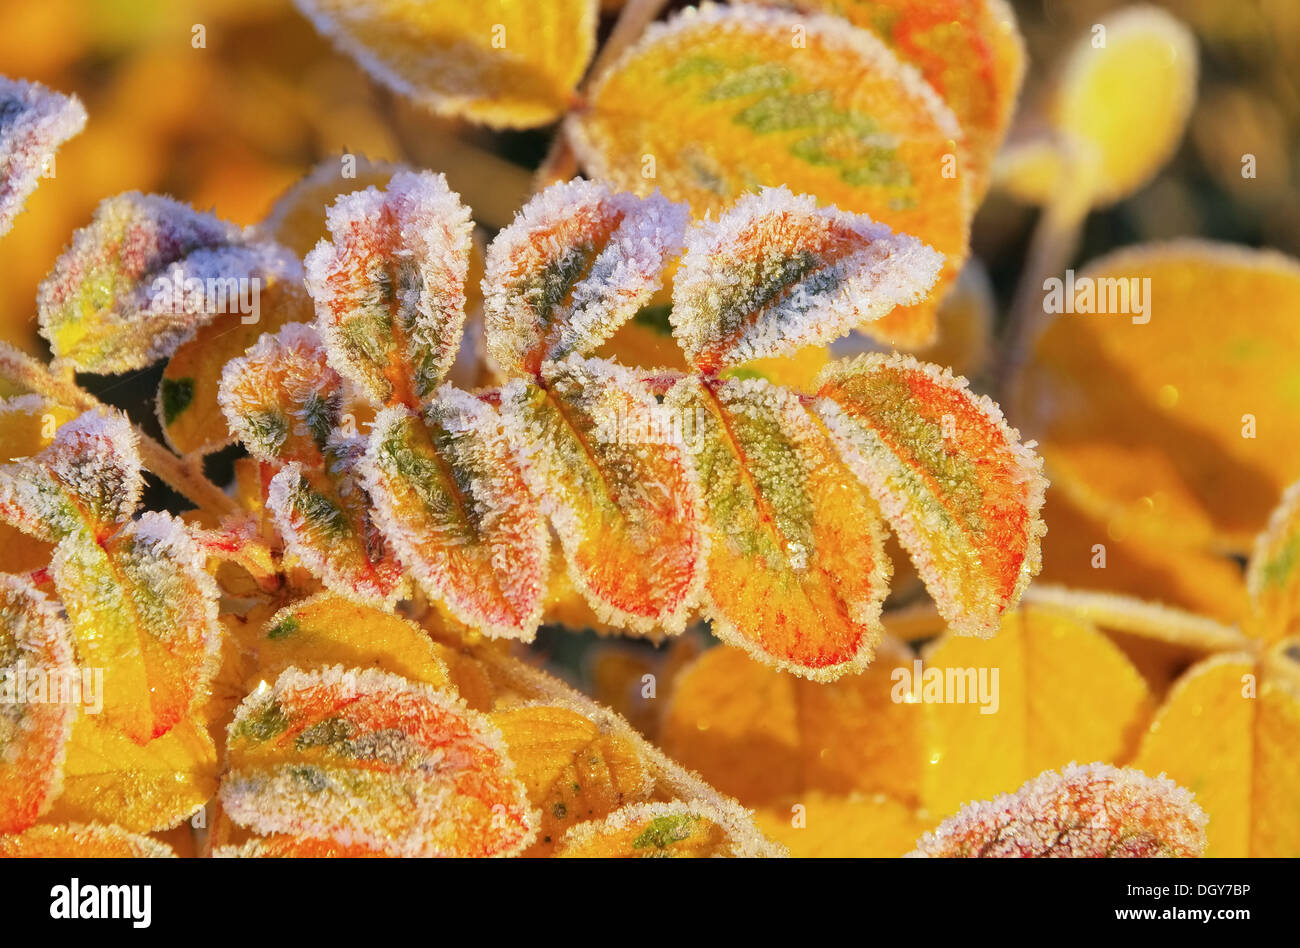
point(953, 480)
point(34, 122)
point(143, 276)
point(577, 263)
point(87, 478)
point(365, 758)
point(451, 499)
point(81, 841)
point(1085, 811)
point(389, 286)
point(35, 653)
point(142, 608)
point(609, 467)
point(776, 273)
point(797, 569)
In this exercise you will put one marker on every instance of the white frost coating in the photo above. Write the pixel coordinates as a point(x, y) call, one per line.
point(507, 518)
point(736, 845)
point(34, 122)
point(94, 460)
point(615, 399)
point(317, 558)
point(426, 227)
point(1138, 617)
point(876, 465)
point(758, 396)
point(626, 270)
point(406, 803)
point(297, 360)
point(883, 271)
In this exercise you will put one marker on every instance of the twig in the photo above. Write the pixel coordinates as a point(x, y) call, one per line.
point(24, 371)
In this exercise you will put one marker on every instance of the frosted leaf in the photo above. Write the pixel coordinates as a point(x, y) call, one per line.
point(797, 569)
point(81, 841)
point(142, 608)
point(87, 478)
point(776, 273)
point(661, 830)
point(281, 398)
point(143, 276)
point(389, 286)
point(365, 758)
point(324, 516)
point(37, 672)
point(954, 481)
point(577, 263)
point(450, 497)
point(294, 847)
point(1084, 811)
point(609, 467)
point(34, 122)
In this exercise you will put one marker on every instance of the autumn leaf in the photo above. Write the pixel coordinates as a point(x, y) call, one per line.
point(769, 97)
point(80, 841)
point(368, 758)
point(28, 424)
point(956, 484)
point(1272, 575)
point(601, 455)
point(578, 262)
point(36, 122)
point(832, 826)
point(573, 769)
point(776, 273)
point(1089, 811)
point(787, 525)
point(35, 657)
point(659, 830)
point(1171, 422)
point(511, 63)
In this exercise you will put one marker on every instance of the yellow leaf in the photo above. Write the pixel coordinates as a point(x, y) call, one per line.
point(721, 100)
point(652, 830)
point(1272, 575)
point(1228, 732)
point(27, 425)
point(110, 778)
point(761, 735)
point(573, 769)
point(1063, 692)
point(326, 629)
point(1124, 96)
point(80, 841)
point(511, 63)
point(843, 827)
point(1178, 419)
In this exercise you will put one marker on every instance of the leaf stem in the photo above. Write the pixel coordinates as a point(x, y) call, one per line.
point(26, 372)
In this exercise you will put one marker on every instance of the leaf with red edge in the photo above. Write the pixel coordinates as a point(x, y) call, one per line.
point(35, 652)
point(797, 569)
point(34, 122)
point(452, 501)
point(614, 479)
point(88, 478)
point(124, 296)
point(284, 402)
point(576, 264)
point(389, 286)
point(143, 609)
point(954, 481)
point(365, 758)
point(1085, 811)
point(776, 273)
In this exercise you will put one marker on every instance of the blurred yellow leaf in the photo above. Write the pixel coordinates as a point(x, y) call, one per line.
point(507, 63)
point(763, 735)
point(1273, 575)
point(1063, 693)
point(573, 770)
point(1229, 732)
point(1177, 420)
point(856, 826)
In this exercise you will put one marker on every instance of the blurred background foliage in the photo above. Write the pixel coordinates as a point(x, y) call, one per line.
point(229, 126)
